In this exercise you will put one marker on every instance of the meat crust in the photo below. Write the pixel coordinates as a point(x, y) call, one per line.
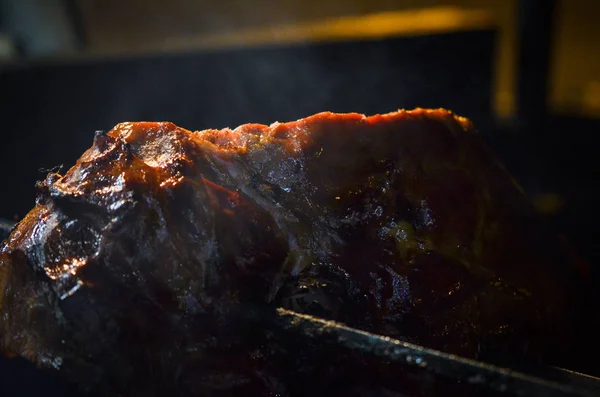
point(126, 272)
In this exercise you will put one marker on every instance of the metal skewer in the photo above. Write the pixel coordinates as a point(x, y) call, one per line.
point(437, 362)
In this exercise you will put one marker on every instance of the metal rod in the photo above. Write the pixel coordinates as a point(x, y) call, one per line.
point(440, 363)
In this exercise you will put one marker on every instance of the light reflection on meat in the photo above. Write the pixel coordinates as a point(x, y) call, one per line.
point(129, 272)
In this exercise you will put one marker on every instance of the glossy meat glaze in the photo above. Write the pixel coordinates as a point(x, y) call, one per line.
point(125, 273)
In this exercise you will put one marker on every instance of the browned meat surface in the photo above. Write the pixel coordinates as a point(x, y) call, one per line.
point(126, 274)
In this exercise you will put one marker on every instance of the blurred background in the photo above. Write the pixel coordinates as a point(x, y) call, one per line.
point(526, 71)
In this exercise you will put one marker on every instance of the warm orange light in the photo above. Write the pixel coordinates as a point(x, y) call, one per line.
point(379, 25)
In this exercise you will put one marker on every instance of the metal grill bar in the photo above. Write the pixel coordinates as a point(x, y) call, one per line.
point(440, 363)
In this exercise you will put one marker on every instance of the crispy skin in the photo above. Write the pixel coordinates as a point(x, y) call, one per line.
point(126, 273)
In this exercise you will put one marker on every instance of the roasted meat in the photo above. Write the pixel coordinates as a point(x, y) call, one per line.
point(129, 274)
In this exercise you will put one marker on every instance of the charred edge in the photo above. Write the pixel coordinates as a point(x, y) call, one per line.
point(43, 188)
point(70, 203)
point(54, 170)
point(127, 150)
point(182, 167)
point(102, 140)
